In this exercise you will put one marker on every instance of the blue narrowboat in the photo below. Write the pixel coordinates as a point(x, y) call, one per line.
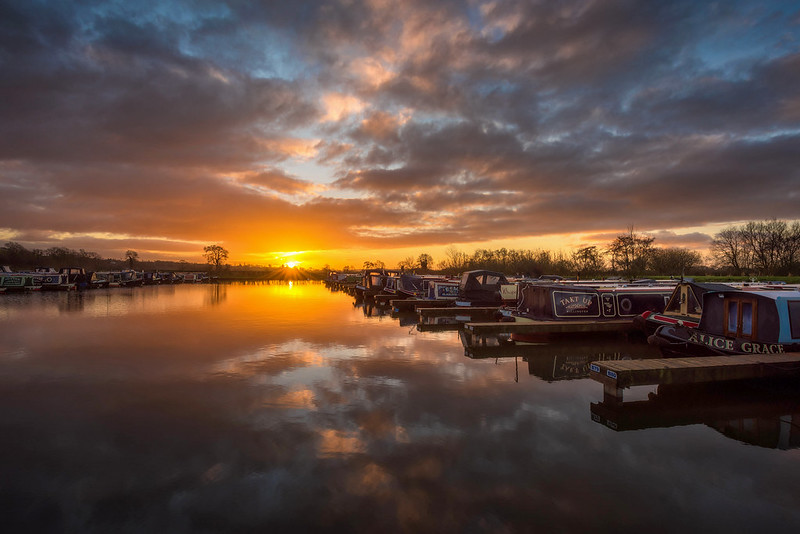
point(738, 321)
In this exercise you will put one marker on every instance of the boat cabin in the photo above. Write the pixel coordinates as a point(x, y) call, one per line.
point(740, 322)
point(440, 289)
point(410, 286)
point(684, 306)
point(480, 288)
point(562, 301)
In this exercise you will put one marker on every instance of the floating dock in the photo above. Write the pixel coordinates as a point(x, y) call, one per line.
point(618, 375)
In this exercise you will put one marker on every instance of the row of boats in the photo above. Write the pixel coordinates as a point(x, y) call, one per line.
point(680, 317)
point(76, 278)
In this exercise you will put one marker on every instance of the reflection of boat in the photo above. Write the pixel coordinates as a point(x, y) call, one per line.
point(566, 359)
point(764, 412)
point(452, 321)
point(738, 322)
point(371, 309)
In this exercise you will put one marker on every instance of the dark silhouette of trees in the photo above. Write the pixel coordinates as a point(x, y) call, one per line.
point(424, 261)
point(673, 261)
point(770, 247)
point(588, 261)
point(131, 256)
point(630, 253)
point(215, 256)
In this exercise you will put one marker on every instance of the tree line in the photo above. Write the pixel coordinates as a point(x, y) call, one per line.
point(22, 259)
point(756, 248)
point(770, 247)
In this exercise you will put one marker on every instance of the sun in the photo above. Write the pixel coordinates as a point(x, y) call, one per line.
point(292, 264)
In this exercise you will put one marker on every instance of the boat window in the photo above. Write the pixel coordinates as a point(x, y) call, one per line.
point(674, 304)
point(794, 318)
point(733, 316)
point(740, 317)
point(694, 305)
point(747, 318)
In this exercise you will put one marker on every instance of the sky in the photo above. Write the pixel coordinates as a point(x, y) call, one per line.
point(338, 132)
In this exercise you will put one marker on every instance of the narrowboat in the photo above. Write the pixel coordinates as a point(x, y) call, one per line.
point(372, 283)
point(13, 281)
point(550, 302)
point(410, 286)
point(685, 306)
point(737, 321)
point(481, 288)
point(617, 304)
point(390, 284)
point(440, 289)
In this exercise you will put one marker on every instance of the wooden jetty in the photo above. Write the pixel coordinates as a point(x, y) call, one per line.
point(618, 375)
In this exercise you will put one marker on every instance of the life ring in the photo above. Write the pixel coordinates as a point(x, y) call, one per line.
point(626, 305)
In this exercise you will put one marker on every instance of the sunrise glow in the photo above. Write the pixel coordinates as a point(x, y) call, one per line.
point(375, 131)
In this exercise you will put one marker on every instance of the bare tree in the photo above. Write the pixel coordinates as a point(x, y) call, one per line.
point(630, 252)
point(729, 250)
point(587, 261)
point(215, 256)
point(407, 263)
point(674, 260)
point(131, 256)
point(424, 261)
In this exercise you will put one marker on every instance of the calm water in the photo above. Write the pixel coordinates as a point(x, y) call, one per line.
point(289, 407)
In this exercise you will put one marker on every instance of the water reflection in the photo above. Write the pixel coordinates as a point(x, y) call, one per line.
point(758, 412)
point(285, 407)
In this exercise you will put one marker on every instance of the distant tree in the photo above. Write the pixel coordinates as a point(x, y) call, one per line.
point(424, 261)
point(407, 263)
point(766, 247)
point(673, 260)
point(729, 250)
point(12, 253)
point(215, 256)
point(455, 260)
point(131, 256)
point(630, 253)
point(587, 261)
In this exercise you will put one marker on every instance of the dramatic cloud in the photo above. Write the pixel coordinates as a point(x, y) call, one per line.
point(372, 126)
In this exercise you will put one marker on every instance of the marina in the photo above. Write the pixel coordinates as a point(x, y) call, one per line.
point(308, 406)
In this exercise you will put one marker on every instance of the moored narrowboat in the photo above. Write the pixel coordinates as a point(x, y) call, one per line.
point(596, 309)
point(565, 301)
point(685, 306)
point(372, 283)
point(737, 321)
point(481, 288)
point(440, 289)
